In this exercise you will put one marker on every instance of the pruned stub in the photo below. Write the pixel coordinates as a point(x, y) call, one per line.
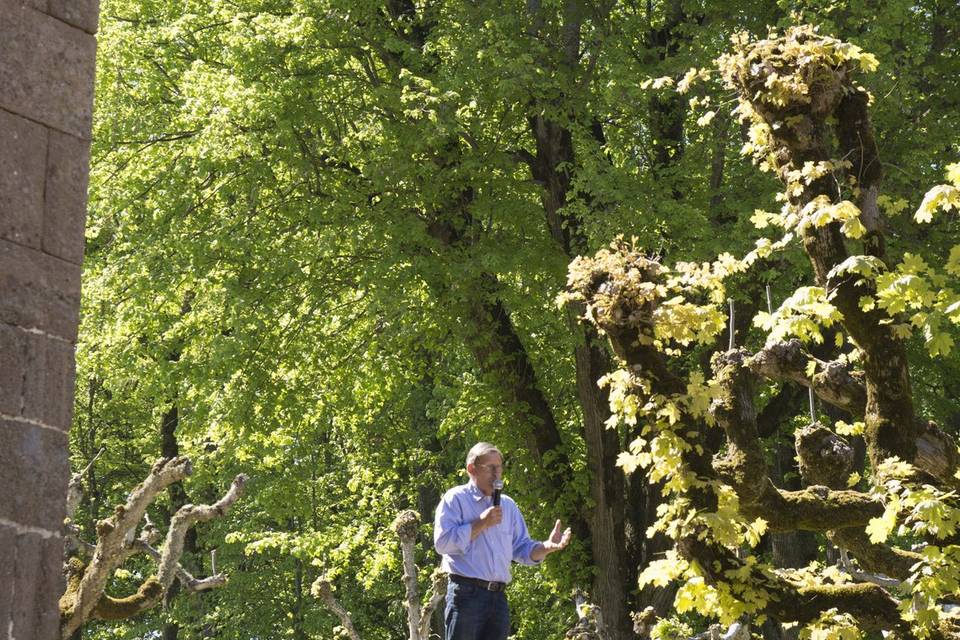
point(825, 458)
point(795, 83)
point(406, 524)
point(621, 289)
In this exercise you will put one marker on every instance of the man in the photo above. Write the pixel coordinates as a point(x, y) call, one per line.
point(478, 541)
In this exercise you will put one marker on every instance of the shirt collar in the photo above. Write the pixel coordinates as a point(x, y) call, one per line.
point(474, 491)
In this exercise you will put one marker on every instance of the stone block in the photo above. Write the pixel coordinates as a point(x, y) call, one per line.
point(23, 157)
point(8, 549)
point(79, 13)
point(13, 355)
point(35, 469)
point(46, 69)
point(39, 291)
point(65, 204)
point(36, 380)
point(48, 381)
point(28, 552)
point(38, 583)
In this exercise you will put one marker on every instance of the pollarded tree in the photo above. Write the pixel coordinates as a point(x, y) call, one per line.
point(897, 529)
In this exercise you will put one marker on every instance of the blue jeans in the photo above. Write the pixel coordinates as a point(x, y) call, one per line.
point(473, 613)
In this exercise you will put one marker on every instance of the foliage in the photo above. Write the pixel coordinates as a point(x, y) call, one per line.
point(299, 206)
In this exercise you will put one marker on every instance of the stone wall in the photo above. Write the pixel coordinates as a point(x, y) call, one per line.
point(46, 100)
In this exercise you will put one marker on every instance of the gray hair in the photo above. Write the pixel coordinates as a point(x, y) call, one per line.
point(482, 449)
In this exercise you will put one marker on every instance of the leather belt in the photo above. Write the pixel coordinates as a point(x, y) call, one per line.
point(483, 584)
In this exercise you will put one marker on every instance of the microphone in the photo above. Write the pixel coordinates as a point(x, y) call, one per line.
point(497, 488)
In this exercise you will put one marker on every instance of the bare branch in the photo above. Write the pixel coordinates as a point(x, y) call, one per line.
point(111, 533)
point(438, 591)
point(189, 582)
point(117, 540)
point(75, 488)
point(186, 517)
point(323, 590)
point(405, 526)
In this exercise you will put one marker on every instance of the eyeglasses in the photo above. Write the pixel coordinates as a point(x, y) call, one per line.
point(490, 468)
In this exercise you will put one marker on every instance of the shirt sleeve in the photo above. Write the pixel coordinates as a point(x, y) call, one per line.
point(523, 545)
point(451, 536)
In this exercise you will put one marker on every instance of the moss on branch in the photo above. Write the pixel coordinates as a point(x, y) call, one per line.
point(876, 558)
point(825, 458)
point(815, 509)
point(146, 597)
point(870, 604)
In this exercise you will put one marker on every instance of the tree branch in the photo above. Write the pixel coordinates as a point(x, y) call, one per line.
point(817, 508)
point(834, 382)
point(116, 541)
point(405, 526)
point(438, 591)
point(187, 516)
point(838, 384)
point(323, 590)
point(111, 534)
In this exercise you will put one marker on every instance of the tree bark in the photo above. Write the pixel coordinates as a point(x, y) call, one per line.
point(606, 519)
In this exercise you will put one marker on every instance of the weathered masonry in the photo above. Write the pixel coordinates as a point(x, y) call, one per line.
point(46, 99)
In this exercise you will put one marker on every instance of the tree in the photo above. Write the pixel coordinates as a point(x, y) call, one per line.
point(810, 126)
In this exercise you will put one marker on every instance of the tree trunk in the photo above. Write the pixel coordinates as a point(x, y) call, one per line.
point(550, 167)
point(489, 334)
point(170, 448)
point(299, 633)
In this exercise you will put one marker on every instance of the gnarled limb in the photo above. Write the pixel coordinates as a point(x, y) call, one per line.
point(406, 526)
point(438, 591)
point(871, 605)
point(144, 545)
point(111, 534)
point(825, 457)
point(323, 590)
point(620, 288)
point(836, 382)
point(187, 516)
point(117, 541)
point(799, 86)
point(799, 124)
point(817, 508)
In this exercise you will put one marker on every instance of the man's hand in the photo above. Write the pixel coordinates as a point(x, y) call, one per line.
point(558, 540)
point(491, 517)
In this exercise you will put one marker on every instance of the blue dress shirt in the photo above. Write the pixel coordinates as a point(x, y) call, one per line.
point(488, 556)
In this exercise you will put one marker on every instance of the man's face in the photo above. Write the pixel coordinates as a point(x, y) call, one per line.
point(485, 470)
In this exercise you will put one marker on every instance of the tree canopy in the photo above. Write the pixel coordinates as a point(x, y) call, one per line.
point(328, 248)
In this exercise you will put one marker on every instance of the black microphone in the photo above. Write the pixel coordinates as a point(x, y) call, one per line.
point(497, 488)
